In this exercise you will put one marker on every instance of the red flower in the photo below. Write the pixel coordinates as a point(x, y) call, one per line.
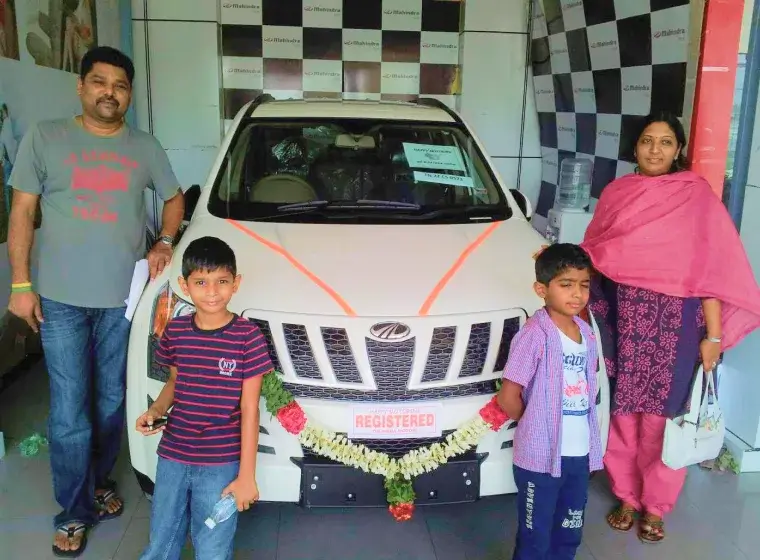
point(493, 415)
point(401, 512)
point(292, 418)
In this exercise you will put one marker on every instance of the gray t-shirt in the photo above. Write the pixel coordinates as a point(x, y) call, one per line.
point(92, 192)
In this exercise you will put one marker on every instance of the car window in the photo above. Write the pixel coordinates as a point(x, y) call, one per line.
point(397, 170)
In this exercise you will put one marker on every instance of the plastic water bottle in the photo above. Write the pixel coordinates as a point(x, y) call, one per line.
point(574, 190)
point(223, 510)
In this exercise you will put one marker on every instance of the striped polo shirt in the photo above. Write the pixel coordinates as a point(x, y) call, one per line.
point(204, 423)
point(535, 362)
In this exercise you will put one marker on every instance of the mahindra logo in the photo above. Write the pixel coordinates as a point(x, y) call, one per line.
point(282, 40)
point(242, 6)
point(544, 92)
point(584, 90)
point(390, 331)
point(327, 74)
point(559, 51)
point(322, 9)
point(438, 46)
point(400, 76)
point(573, 5)
point(401, 13)
point(362, 44)
point(600, 44)
point(243, 71)
point(669, 32)
point(566, 129)
point(636, 88)
point(609, 134)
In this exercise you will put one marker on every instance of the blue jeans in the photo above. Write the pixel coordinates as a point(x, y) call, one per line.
point(184, 497)
point(550, 511)
point(86, 356)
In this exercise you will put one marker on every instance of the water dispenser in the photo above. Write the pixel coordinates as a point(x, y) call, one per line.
point(568, 220)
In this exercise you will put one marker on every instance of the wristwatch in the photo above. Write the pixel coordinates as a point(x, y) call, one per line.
point(166, 240)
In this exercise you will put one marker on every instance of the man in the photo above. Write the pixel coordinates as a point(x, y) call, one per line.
point(90, 173)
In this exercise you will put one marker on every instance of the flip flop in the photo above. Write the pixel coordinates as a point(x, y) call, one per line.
point(71, 531)
point(651, 531)
point(622, 519)
point(101, 504)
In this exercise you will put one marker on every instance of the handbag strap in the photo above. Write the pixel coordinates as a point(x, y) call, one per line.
point(709, 387)
point(692, 416)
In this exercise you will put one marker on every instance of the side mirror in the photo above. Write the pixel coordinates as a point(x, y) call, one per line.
point(191, 200)
point(523, 203)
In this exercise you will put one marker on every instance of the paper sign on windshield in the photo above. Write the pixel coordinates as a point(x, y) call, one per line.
point(430, 156)
point(456, 180)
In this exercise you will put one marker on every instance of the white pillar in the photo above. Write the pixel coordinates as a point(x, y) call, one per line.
point(495, 88)
point(177, 84)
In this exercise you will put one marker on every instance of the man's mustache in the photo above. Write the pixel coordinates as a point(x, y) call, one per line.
point(107, 100)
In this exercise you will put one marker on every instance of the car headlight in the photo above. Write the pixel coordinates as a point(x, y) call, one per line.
point(166, 307)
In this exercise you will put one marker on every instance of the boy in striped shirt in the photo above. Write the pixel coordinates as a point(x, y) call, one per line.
point(549, 388)
point(208, 449)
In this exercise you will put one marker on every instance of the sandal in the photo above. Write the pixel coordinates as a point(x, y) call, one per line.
point(651, 530)
point(621, 519)
point(71, 532)
point(102, 500)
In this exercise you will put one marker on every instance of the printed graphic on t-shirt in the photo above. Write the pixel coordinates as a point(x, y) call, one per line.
point(227, 366)
point(94, 182)
point(575, 389)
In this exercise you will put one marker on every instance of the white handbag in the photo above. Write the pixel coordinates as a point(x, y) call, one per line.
point(697, 435)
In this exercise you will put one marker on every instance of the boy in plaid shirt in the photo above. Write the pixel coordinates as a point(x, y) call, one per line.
point(550, 388)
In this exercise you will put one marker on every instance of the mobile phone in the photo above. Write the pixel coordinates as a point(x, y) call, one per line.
point(158, 422)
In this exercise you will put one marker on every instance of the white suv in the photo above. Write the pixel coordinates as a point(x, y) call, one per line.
point(387, 265)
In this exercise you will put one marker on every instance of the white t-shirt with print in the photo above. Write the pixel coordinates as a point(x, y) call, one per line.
point(575, 398)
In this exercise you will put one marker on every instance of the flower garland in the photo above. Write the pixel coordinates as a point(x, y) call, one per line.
point(398, 473)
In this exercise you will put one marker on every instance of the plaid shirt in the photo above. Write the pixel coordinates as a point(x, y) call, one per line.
point(535, 362)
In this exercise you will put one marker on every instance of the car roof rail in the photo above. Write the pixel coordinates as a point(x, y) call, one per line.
point(259, 100)
point(438, 104)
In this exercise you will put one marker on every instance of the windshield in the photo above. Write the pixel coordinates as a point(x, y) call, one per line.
point(356, 170)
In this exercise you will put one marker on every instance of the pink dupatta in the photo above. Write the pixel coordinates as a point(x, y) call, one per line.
point(672, 235)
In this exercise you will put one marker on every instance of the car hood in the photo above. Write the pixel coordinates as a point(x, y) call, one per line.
point(377, 270)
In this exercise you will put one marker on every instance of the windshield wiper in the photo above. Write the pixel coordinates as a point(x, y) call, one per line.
point(302, 205)
point(348, 205)
point(467, 211)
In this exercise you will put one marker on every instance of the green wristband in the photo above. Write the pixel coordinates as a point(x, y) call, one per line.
point(21, 289)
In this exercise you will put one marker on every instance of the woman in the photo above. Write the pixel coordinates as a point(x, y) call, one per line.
point(662, 243)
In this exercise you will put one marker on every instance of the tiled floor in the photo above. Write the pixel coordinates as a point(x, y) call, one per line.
point(717, 518)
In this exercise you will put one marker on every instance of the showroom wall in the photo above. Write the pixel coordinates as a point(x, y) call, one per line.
point(38, 72)
point(598, 67)
point(391, 50)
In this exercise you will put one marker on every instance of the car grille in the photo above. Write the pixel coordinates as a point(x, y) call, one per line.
point(441, 349)
point(391, 362)
point(155, 370)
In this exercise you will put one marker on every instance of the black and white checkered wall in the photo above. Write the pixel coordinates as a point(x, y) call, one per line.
point(351, 49)
point(598, 67)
